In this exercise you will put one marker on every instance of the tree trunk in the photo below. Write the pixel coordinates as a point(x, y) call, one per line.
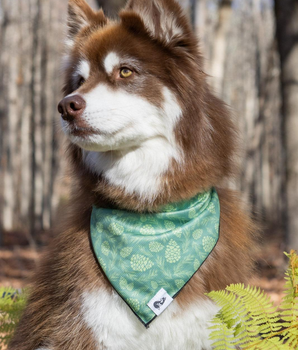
point(111, 7)
point(287, 35)
point(30, 84)
point(239, 45)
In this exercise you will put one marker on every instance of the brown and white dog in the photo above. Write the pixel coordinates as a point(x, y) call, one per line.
point(145, 130)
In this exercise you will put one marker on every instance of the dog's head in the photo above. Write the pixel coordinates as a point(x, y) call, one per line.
point(123, 78)
point(136, 97)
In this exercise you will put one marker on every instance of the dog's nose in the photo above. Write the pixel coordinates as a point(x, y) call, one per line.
point(71, 107)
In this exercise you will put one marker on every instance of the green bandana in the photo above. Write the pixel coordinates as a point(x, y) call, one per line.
point(148, 258)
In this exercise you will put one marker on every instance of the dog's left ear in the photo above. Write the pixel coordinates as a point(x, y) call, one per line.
point(81, 15)
point(163, 20)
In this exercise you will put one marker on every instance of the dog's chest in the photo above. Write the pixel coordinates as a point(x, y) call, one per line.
point(115, 327)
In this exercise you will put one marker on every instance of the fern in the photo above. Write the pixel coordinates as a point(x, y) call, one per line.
point(259, 308)
point(270, 344)
point(234, 315)
point(12, 304)
point(249, 320)
point(223, 334)
point(289, 305)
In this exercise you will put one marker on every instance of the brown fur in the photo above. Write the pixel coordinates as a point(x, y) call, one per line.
point(207, 137)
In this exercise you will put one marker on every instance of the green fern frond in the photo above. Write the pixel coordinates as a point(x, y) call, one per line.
point(274, 343)
point(289, 304)
point(290, 336)
point(247, 312)
point(12, 304)
point(222, 335)
point(259, 307)
point(234, 314)
point(249, 319)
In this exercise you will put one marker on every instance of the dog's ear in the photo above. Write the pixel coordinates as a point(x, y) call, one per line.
point(81, 15)
point(163, 20)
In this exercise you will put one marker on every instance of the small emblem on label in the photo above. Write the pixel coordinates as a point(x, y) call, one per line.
point(160, 302)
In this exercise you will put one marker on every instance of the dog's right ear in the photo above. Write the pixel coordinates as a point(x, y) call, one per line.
point(81, 15)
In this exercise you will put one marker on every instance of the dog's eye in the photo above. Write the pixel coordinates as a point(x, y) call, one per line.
point(125, 72)
point(81, 81)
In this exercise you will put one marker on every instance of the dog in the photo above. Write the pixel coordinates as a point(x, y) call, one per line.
point(145, 132)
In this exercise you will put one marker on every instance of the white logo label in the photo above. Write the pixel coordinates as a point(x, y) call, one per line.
point(160, 302)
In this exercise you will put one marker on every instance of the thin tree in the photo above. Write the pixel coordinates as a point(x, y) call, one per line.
point(286, 12)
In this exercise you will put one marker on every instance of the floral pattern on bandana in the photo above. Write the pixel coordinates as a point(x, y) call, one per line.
point(142, 253)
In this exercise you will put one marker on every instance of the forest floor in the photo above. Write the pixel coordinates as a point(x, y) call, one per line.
point(17, 263)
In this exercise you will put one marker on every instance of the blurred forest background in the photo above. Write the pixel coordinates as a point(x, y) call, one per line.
point(251, 51)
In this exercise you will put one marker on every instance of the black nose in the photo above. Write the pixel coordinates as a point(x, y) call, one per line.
point(71, 107)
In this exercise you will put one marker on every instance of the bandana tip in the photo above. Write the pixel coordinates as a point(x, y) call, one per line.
point(160, 302)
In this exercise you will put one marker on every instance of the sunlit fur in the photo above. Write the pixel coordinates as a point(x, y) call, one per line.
point(83, 70)
point(111, 61)
point(156, 137)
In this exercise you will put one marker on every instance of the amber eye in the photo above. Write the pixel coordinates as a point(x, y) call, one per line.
point(81, 81)
point(125, 72)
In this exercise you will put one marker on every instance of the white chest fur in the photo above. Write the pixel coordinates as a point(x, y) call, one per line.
point(116, 328)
